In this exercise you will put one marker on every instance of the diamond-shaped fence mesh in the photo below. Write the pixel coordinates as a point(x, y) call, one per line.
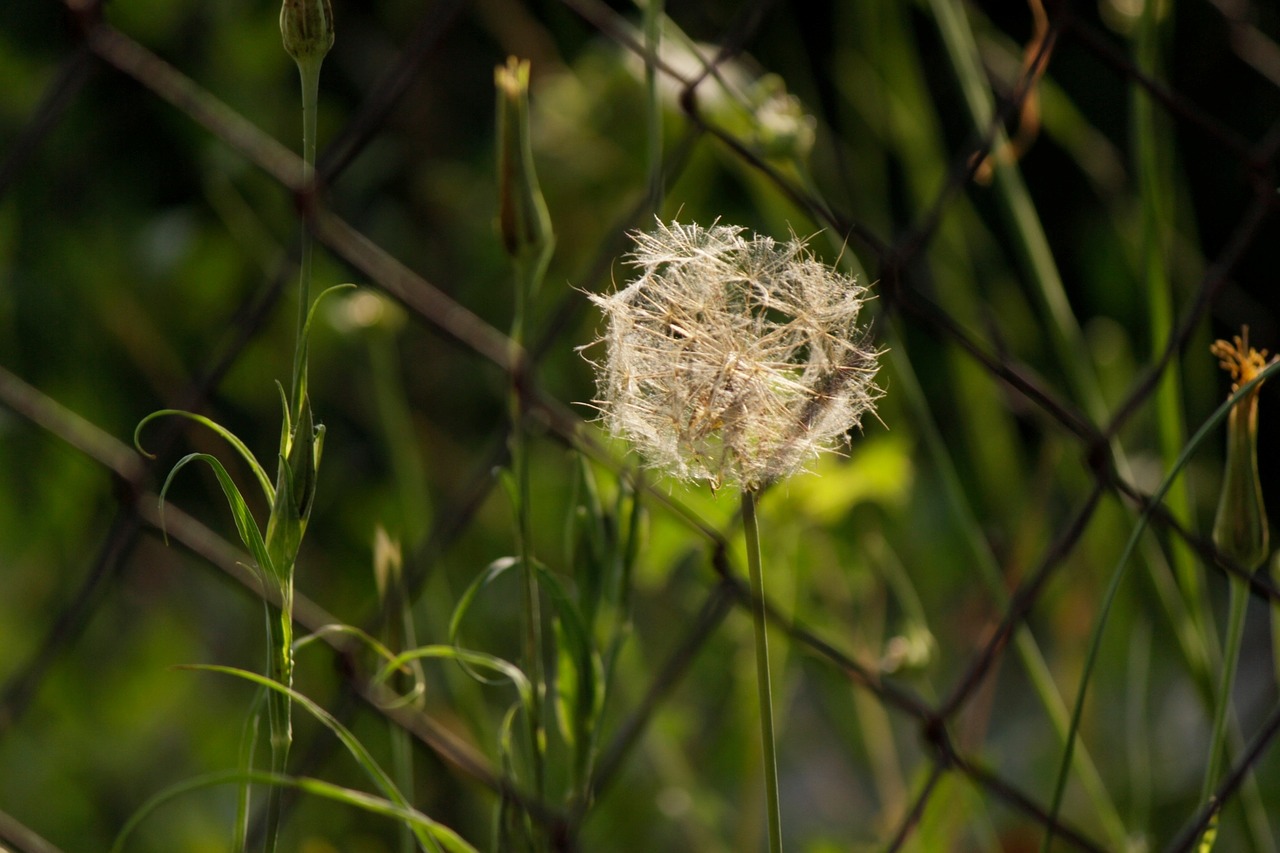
point(998, 616)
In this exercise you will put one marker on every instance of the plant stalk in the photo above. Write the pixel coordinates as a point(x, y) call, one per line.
point(1239, 601)
point(309, 73)
point(279, 709)
point(519, 448)
point(751, 531)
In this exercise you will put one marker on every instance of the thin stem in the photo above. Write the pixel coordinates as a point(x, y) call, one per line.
point(279, 706)
point(526, 281)
point(1239, 601)
point(279, 709)
point(751, 531)
point(1151, 142)
point(1117, 575)
point(309, 72)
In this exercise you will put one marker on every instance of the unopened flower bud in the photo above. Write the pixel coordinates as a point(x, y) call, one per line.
point(295, 488)
point(1240, 526)
point(306, 27)
point(523, 221)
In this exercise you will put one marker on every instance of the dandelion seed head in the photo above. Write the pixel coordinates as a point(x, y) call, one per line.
point(733, 359)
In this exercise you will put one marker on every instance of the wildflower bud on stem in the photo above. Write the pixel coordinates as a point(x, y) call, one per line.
point(525, 228)
point(523, 221)
point(1240, 527)
point(306, 27)
point(1240, 532)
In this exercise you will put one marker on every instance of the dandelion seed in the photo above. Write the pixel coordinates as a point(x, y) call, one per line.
point(731, 359)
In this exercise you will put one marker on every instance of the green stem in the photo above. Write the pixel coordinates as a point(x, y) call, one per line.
point(1024, 642)
point(519, 446)
point(1118, 573)
point(1231, 658)
point(279, 710)
point(751, 531)
point(309, 72)
point(1150, 154)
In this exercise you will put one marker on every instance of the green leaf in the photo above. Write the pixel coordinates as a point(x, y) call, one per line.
point(491, 573)
point(475, 660)
point(581, 673)
point(350, 741)
point(381, 650)
point(250, 535)
point(447, 840)
point(304, 340)
point(240, 447)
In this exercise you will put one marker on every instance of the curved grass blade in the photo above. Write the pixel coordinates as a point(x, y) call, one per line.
point(304, 341)
point(1095, 639)
point(580, 676)
point(239, 446)
point(380, 649)
point(470, 658)
point(349, 740)
point(250, 535)
point(491, 573)
point(448, 840)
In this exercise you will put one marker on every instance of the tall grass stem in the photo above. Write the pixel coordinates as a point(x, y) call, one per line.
point(1113, 587)
point(1239, 603)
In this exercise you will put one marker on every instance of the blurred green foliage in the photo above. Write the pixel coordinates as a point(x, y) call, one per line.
point(133, 246)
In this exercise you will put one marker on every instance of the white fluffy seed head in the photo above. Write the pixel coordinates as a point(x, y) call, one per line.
point(730, 359)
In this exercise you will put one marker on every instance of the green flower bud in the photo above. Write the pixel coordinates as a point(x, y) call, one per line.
point(307, 29)
point(295, 489)
point(523, 221)
point(1240, 527)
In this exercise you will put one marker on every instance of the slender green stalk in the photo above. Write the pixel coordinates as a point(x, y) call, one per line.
point(279, 712)
point(1024, 642)
point(1231, 659)
point(751, 531)
point(1241, 532)
point(1154, 185)
point(307, 32)
point(309, 72)
point(524, 225)
point(528, 277)
point(1113, 587)
point(529, 584)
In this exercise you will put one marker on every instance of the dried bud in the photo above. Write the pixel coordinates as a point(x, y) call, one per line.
point(733, 360)
point(523, 221)
point(307, 29)
point(1240, 527)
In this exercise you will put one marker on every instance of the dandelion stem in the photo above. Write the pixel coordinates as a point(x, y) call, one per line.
point(751, 531)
